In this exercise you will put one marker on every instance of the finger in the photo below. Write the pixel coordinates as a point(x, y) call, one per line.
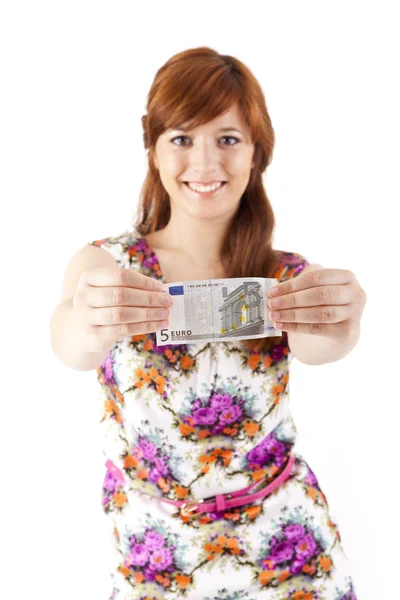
point(328, 295)
point(126, 296)
point(313, 278)
point(116, 315)
point(333, 331)
point(316, 314)
point(104, 276)
point(117, 332)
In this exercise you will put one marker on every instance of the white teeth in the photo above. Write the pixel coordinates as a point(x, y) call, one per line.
point(205, 188)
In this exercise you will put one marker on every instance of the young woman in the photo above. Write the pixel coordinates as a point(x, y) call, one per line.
point(207, 496)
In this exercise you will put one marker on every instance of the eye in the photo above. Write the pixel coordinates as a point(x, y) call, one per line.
point(225, 137)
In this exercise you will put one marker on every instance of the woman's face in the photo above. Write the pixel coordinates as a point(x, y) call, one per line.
point(206, 154)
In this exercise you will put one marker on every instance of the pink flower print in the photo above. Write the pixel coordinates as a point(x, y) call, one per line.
point(148, 449)
point(139, 555)
point(221, 401)
point(196, 404)
point(231, 414)
point(294, 532)
point(161, 559)
point(282, 551)
point(205, 416)
point(160, 466)
point(154, 540)
point(306, 547)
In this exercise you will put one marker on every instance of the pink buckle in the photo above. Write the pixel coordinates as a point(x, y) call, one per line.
point(220, 500)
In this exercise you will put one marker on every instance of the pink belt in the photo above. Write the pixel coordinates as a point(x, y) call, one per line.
point(221, 500)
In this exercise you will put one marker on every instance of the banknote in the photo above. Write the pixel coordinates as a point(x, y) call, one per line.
point(218, 310)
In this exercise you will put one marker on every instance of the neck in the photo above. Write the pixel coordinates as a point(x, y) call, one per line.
point(199, 240)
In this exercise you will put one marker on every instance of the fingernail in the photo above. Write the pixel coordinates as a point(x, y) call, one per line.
point(162, 287)
point(273, 291)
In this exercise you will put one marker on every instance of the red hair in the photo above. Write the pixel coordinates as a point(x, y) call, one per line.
point(194, 87)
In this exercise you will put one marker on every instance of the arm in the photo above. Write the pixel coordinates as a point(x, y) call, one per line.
point(66, 340)
point(318, 350)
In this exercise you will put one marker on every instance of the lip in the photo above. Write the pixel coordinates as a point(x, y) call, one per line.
point(206, 182)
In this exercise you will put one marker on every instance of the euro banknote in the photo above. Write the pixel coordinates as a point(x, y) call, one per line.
point(218, 310)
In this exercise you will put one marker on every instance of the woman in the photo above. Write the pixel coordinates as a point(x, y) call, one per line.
point(188, 426)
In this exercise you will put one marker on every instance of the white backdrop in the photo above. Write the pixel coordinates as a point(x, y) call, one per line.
point(74, 78)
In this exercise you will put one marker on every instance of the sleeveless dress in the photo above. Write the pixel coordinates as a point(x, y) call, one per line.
point(192, 421)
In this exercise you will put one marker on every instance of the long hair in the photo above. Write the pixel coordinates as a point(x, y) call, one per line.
point(196, 86)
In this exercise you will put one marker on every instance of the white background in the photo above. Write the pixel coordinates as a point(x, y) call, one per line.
point(74, 79)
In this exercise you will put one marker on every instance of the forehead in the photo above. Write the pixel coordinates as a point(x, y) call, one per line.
point(229, 119)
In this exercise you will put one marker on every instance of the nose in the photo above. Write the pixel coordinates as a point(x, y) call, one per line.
point(204, 157)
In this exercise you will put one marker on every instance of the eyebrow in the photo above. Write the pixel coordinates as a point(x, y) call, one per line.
point(221, 129)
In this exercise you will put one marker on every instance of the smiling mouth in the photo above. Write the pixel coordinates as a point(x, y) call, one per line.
point(201, 192)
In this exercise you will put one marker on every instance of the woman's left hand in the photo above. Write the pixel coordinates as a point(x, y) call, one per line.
point(326, 302)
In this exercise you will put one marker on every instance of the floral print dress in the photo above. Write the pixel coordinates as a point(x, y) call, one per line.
point(194, 420)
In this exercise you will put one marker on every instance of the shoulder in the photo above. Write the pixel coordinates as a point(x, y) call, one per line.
point(124, 246)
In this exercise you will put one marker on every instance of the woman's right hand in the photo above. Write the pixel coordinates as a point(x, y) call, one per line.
point(112, 303)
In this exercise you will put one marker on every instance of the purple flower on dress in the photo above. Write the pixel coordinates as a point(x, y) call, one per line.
point(277, 352)
point(349, 596)
point(110, 482)
point(296, 566)
point(205, 416)
point(221, 401)
point(139, 555)
point(305, 547)
point(148, 449)
point(282, 551)
point(141, 244)
point(154, 540)
point(279, 460)
point(257, 455)
point(108, 369)
point(160, 466)
point(150, 573)
point(273, 446)
point(294, 532)
point(273, 542)
point(217, 429)
point(154, 475)
point(149, 261)
point(231, 414)
point(311, 479)
point(161, 559)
